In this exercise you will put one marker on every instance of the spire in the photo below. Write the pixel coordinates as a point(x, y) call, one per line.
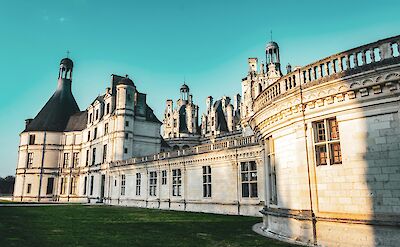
point(60, 107)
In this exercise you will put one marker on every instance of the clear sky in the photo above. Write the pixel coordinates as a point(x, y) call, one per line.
point(158, 43)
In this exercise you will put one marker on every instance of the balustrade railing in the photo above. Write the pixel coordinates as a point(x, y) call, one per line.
point(342, 62)
point(219, 145)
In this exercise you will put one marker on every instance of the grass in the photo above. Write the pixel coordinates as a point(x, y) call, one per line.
point(78, 225)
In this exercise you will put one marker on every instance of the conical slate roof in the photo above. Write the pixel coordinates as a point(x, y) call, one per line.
point(56, 112)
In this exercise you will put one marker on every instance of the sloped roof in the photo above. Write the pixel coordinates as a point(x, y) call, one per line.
point(56, 112)
point(222, 125)
point(78, 121)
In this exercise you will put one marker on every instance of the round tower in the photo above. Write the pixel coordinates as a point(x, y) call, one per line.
point(66, 67)
point(184, 92)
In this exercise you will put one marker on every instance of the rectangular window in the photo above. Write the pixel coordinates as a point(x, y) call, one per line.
point(126, 123)
point(85, 186)
point(106, 128)
point(63, 186)
point(88, 136)
point(31, 139)
point(123, 182)
point(93, 156)
point(125, 150)
point(327, 142)
point(97, 114)
point(206, 181)
point(176, 182)
point(72, 187)
point(75, 160)
point(126, 135)
point(153, 183)
point(91, 184)
point(66, 160)
point(95, 133)
point(164, 177)
point(108, 108)
point(273, 197)
point(249, 179)
point(87, 157)
point(29, 160)
point(90, 117)
point(50, 185)
point(138, 183)
point(104, 153)
point(28, 189)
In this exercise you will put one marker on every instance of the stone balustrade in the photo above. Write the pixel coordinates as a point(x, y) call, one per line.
point(332, 67)
point(218, 145)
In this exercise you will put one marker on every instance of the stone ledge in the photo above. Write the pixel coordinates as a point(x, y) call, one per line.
point(259, 229)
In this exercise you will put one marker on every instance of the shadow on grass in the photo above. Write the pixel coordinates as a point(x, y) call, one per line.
point(116, 226)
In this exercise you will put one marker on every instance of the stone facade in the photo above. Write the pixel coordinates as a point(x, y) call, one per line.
point(180, 125)
point(331, 135)
point(221, 116)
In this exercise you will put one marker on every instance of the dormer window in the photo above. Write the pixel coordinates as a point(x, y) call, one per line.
point(97, 114)
point(90, 117)
point(31, 139)
point(108, 108)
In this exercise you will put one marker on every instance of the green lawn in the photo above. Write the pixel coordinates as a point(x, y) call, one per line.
point(77, 225)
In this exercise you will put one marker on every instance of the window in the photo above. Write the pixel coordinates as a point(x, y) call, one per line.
point(72, 188)
point(153, 183)
point(106, 128)
point(91, 185)
point(97, 114)
point(249, 179)
point(95, 133)
point(85, 186)
point(75, 160)
point(164, 177)
point(87, 157)
point(126, 123)
point(108, 108)
point(31, 139)
point(63, 186)
point(327, 142)
point(88, 136)
point(176, 182)
point(90, 117)
point(29, 160)
point(126, 135)
point(125, 150)
point(93, 156)
point(50, 185)
point(28, 189)
point(138, 182)
point(206, 181)
point(129, 97)
point(273, 198)
point(123, 182)
point(104, 153)
point(66, 160)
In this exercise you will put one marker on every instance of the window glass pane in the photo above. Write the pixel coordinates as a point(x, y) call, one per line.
point(320, 131)
point(321, 155)
point(253, 189)
point(245, 177)
point(253, 176)
point(253, 166)
point(336, 154)
point(245, 190)
point(334, 129)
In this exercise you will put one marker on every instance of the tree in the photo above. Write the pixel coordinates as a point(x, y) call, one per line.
point(7, 185)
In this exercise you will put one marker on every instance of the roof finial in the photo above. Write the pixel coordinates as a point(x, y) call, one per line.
point(68, 52)
point(271, 34)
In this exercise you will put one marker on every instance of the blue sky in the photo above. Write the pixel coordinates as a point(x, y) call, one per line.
point(158, 43)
